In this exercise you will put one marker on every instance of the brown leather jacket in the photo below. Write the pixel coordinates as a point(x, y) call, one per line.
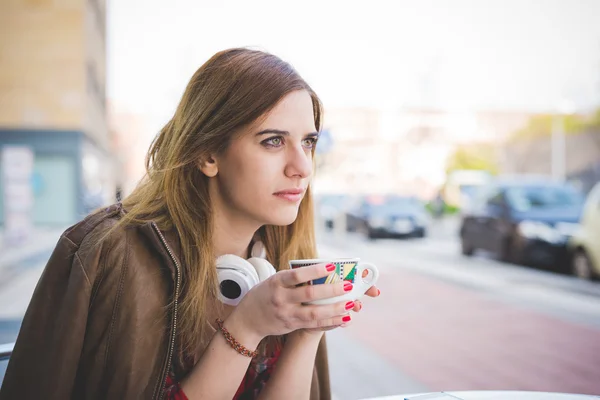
point(101, 323)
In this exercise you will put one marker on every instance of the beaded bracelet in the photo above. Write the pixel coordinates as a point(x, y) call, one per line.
point(237, 346)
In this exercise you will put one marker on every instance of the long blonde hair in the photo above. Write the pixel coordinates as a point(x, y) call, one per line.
point(230, 91)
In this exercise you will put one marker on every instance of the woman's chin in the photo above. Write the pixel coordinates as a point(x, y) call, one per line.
point(283, 218)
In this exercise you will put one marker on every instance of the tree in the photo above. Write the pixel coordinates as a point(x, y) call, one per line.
point(541, 126)
point(593, 126)
point(481, 157)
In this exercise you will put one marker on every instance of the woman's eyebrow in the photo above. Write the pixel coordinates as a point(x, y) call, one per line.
point(280, 132)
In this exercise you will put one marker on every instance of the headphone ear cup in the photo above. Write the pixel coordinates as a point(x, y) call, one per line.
point(263, 268)
point(236, 277)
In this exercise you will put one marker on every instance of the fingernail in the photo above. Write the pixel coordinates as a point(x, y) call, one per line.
point(346, 318)
point(360, 307)
point(330, 267)
point(349, 305)
point(347, 286)
point(378, 292)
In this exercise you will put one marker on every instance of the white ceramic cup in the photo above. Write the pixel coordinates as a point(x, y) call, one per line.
point(346, 269)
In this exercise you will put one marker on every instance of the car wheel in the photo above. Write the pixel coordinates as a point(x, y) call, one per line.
point(466, 248)
point(509, 252)
point(582, 265)
point(371, 234)
point(421, 234)
point(505, 251)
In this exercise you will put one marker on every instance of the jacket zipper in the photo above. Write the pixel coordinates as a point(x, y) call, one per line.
point(176, 300)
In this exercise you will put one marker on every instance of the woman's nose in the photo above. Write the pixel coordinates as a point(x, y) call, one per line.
point(299, 162)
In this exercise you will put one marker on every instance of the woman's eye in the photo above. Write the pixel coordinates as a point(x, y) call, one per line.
point(309, 142)
point(273, 142)
point(278, 141)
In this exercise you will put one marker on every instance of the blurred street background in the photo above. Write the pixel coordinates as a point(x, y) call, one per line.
point(460, 153)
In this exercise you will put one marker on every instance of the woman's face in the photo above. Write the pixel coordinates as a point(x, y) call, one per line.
point(263, 175)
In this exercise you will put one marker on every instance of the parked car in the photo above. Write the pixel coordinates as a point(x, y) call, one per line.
point(585, 243)
point(391, 216)
point(524, 221)
point(353, 213)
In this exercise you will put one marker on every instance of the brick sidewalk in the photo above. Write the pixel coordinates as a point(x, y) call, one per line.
point(451, 338)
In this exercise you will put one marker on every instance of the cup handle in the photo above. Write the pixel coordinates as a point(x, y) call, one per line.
point(360, 285)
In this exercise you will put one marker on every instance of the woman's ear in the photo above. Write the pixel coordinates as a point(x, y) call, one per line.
point(208, 167)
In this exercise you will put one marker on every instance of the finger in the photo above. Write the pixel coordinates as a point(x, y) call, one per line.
point(357, 306)
point(308, 293)
point(329, 322)
point(373, 292)
point(296, 276)
point(310, 312)
point(327, 328)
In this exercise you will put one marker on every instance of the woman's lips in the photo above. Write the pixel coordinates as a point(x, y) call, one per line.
point(290, 195)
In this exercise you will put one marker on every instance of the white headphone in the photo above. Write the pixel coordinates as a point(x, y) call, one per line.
point(237, 276)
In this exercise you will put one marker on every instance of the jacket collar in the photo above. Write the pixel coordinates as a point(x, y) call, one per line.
point(166, 243)
point(169, 249)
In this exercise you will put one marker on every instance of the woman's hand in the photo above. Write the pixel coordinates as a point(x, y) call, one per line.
point(275, 306)
point(372, 292)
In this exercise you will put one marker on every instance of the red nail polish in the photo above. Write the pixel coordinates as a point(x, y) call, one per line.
point(378, 292)
point(330, 267)
point(346, 318)
point(349, 305)
point(347, 286)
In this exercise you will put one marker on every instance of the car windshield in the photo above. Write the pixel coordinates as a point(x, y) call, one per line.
point(542, 197)
point(331, 200)
point(394, 204)
point(469, 190)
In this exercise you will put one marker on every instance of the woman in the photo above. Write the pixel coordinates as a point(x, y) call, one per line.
point(128, 307)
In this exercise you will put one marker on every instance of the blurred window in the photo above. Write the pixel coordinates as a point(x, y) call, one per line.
point(480, 198)
point(99, 16)
point(396, 204)
point(539, 197)
point(94, 86)
point(469, 190)
point(496, 199)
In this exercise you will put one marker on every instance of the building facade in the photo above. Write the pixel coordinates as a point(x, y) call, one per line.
point(53, 101)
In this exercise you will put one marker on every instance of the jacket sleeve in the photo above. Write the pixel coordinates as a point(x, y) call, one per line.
point(46, 354)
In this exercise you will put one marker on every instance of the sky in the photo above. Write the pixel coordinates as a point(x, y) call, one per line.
point(530, 55)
